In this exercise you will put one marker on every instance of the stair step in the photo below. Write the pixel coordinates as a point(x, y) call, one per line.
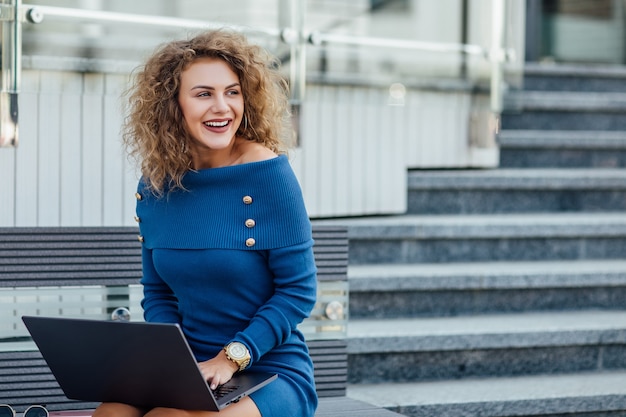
point(564, 120)
point(489, 331)
point(516, 190)
point(419, 290)
point(410, 239)
point(540, 110)
point(580, 394)
point(404, 350)
point(487, 275)
point(529, 179)
point(562, 148)
point(552, 101)
point(563, 77)
point(482, 226)
point(570, 139)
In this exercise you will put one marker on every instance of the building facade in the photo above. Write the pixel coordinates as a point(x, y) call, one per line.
point(378, 87)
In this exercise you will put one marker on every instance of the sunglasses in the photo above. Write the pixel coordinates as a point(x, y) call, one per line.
point(32, 411)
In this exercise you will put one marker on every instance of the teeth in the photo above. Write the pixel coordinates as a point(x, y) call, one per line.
point(216, 124)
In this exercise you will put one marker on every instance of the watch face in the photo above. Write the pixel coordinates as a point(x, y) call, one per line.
point(237, 350)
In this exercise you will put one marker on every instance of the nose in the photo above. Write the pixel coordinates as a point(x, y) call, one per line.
point(219, 104)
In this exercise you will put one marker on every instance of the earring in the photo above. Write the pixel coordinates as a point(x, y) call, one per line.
point(245, 122)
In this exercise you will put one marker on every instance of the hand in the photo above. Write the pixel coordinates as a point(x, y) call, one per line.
point(219, 370)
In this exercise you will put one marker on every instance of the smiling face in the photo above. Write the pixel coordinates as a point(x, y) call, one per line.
point(211, 102)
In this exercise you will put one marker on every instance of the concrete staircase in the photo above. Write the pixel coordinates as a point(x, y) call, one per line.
point(503, 292)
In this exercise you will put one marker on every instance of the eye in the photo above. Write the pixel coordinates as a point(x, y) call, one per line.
point(203, 94)
point(233, 92)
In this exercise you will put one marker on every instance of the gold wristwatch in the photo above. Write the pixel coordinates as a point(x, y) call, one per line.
point(238, 353)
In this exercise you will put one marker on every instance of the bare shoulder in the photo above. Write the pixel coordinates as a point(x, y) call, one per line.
point(255, 152)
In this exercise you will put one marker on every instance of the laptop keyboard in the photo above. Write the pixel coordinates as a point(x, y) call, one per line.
point(223, 390)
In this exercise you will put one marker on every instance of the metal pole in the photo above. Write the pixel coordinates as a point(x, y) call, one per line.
point(11, 69)
point(292, 12)
point(293, 35)
point(497, 55)
point(298, 25)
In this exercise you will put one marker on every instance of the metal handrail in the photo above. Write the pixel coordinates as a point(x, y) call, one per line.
point(317, 38)
point(149, 20)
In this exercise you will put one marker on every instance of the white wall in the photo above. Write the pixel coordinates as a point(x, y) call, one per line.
point(356, 146)
point(357, 139)
point(69, 169)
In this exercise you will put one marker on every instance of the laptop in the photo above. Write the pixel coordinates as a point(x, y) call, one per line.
point(137, 363)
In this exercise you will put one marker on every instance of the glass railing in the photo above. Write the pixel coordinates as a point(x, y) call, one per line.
point(310, 54)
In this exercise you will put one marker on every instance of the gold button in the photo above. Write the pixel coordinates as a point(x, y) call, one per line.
point(250, 242)
point(138, 196)
point(250, 223)
point(247, 200)
point(137, 219)
point(140, 238)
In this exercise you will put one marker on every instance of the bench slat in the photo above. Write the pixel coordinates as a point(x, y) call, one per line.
point(38, 252)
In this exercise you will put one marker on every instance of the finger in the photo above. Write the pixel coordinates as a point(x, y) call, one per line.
point(207, 372)
point(215, 381)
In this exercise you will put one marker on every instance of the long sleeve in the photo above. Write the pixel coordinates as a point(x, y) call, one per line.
point(294, 297)
point(159, 303)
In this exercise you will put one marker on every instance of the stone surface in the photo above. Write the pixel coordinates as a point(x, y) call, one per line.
point(405, 290)
point(589, 394)
point(502, 292)
point(563, 77)
point(564, 120)
point(405, 350)
point(487, 275)
point(421, 303)
point(562, 149)
point(497, 237)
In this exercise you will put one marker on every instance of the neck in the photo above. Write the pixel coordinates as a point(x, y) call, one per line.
point(217, 158)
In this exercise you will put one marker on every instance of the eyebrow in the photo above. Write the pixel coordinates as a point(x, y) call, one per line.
point(208, 87)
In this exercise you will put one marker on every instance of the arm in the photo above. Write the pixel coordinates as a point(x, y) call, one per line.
point(159, 302)
point(295, 290)
point(295, 282)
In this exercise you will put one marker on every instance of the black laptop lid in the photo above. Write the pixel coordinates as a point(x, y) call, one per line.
point(143, 364)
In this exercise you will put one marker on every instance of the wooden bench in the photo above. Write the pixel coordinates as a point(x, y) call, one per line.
point(90, 271)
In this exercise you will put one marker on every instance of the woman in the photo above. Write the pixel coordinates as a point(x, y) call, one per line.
point(227, 247)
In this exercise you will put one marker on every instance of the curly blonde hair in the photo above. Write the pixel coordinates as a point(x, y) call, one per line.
point(154, 130)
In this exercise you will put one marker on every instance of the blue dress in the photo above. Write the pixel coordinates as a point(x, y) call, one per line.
point(230, 258)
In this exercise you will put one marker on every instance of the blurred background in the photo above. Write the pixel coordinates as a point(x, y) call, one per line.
point(474, 149)
point(378, 87)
